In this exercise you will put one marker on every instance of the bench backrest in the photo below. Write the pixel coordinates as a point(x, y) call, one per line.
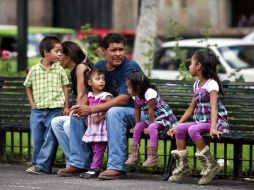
point(15, 108)
point(238, 100)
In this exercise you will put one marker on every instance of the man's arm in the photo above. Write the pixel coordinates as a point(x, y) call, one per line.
point(120, 100)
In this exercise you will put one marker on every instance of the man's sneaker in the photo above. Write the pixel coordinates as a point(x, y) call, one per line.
point(90, 174)
point(70, 171)
point(35, 170)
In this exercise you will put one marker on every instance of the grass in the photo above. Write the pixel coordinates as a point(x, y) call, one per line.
point(20, 152)
point(20, 149)
point(9, 67)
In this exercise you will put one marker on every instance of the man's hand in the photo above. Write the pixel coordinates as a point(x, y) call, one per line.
point(81, 110)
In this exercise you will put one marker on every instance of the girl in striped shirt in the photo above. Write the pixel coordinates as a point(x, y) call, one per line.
point(210, 116)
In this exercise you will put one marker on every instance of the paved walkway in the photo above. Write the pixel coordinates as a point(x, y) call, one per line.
point(14, 177)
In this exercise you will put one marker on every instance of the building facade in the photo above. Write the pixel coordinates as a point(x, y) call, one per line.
point(225, 17)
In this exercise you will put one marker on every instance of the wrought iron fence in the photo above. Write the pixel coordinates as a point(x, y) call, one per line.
point(18, 148)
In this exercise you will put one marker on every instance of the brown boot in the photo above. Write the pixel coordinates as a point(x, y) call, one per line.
point(152, 159)
point(134, 157)
point(70, 171)
point(112, 174)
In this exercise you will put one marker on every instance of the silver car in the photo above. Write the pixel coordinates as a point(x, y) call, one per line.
point(236, 57)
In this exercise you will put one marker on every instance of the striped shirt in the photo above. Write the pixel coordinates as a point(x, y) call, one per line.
point(47, 86)
point(163, 114)
point(202, 113)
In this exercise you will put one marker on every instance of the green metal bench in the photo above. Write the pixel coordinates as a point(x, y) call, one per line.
point(239, 102)
point(14, 113)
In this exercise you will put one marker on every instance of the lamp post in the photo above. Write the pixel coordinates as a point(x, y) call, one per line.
point(22, 24)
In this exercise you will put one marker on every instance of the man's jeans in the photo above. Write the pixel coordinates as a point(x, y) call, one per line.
point(69, 135)
point(44, 140)
point(119, 120)
point(61, 128)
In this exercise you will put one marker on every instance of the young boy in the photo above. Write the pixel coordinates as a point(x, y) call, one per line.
point(47, 91)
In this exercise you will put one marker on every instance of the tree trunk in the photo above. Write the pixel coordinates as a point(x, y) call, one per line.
point(145, 35)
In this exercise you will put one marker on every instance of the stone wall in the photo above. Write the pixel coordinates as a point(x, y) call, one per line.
point(125, 14)
point(40, 12)
point(8, 11)
point(193, 15)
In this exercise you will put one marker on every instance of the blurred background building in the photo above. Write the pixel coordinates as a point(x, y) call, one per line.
point(226, 17)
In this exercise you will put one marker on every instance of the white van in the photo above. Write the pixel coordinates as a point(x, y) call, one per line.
point(236, 57)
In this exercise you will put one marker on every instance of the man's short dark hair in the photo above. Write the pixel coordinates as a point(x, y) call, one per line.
point(48, 43)
point(112, 38)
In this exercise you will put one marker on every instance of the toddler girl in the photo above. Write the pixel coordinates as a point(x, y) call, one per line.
point(96, 132)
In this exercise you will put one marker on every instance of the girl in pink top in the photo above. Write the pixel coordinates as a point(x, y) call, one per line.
point(96, 132)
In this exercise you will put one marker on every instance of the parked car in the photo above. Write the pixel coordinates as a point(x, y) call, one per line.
point(249, 36)
point(236, 56)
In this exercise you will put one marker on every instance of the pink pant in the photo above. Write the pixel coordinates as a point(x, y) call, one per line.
point(193, 130)
point(98, 154)
point(153, 132)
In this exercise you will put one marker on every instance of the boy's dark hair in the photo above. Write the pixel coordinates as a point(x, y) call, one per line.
point(90, 73)
point(140, 83)
point(209, 61)
point(112, 38)
point(72, 50)
point(48, 43)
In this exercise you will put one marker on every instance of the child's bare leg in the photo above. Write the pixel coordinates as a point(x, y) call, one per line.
point(200, 144)
point(181, 144)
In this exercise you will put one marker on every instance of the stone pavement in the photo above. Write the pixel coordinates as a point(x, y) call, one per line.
point(14, 177)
